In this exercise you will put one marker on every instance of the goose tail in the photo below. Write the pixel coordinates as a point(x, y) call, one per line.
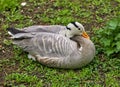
point(12, 31)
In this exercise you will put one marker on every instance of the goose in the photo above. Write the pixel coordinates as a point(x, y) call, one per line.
point(67, 47)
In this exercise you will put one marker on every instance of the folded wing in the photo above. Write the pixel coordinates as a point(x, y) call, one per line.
point(42, 28)
point(45, 44)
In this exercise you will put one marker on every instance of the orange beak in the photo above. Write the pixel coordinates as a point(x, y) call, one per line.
point(85, 35)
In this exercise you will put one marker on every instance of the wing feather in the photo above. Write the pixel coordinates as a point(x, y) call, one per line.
point(47, 45)
point(42, 28)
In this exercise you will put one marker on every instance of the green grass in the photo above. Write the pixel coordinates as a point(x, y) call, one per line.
point(19, 71)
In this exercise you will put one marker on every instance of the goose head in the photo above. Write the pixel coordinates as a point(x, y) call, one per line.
point(76, 28)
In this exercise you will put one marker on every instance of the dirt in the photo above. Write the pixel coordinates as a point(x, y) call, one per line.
point(6, 52)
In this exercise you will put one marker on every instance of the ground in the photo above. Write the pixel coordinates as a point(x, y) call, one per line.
point(17, 70)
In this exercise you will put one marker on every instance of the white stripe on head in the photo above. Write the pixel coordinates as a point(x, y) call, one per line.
point(80, 26)
point(74, 28)
point(70, 26)
point(75, 25)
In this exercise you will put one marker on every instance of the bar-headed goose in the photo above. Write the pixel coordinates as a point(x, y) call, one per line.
point(69, 48)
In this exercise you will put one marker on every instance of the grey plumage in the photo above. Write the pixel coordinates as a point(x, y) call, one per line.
point(53, 49)
point(40, 28)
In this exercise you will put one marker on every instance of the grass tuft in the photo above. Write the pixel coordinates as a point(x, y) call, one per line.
point(18, 71)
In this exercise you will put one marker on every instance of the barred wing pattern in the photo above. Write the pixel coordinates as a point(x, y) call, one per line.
point(53, 50)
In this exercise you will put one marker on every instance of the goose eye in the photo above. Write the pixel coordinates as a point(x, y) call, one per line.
point(79, 29)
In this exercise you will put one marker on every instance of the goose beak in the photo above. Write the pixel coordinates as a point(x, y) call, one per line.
point(85, 35)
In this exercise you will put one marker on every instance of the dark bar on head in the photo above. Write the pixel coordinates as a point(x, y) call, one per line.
point(68, 28)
